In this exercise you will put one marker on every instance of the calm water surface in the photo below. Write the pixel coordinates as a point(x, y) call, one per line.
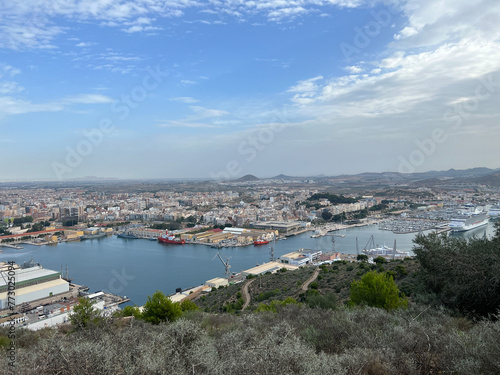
point(136, 268)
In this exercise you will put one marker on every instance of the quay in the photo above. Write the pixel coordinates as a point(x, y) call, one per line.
point(17, 247)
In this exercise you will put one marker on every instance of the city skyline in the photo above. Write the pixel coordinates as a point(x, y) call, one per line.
point(185, 89)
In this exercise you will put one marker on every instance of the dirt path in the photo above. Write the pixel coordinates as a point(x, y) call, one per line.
point(246, 295)
point(310, 280)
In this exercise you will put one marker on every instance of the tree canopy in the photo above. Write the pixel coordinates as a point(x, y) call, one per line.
point(159, 308)
point(84, 314)
point(377, 290)
point(332, 198)
point(464, 273)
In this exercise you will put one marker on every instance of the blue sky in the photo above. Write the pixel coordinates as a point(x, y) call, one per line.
point(220, 89)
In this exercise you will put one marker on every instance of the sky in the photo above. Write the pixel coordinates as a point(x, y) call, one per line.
point(219, 89)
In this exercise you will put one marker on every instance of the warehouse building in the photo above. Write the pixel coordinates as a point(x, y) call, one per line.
point(31, 284)
point(217, 282)
point(271, 267)
point(301, 257)
point(281, 226)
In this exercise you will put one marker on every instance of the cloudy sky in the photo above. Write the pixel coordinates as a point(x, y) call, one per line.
point(223, 88)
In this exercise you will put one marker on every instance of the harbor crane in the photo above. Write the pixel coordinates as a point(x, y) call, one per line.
point(226, 264)
point(333, 238)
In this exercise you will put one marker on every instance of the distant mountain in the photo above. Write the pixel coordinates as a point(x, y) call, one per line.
point(492, 179)
point(93, 178)
point(456, 173)
point(247, 178)
point(481, 175)
point(282, 177)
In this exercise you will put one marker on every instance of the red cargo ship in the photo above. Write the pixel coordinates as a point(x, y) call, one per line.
point(260, 242)
point(171, 239)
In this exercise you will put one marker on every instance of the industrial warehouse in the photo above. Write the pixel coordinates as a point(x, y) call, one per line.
point(32, 283)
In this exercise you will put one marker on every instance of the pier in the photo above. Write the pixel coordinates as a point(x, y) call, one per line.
point(17, 247)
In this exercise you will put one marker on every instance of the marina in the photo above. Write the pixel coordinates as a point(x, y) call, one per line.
point(403, 225)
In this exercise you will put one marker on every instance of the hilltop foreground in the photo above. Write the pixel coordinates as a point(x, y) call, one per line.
point(296, 340)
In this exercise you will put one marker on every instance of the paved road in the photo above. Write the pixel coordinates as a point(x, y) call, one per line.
point(310, 280)
point(246, 295)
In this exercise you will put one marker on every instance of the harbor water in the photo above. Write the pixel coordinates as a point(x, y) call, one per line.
point(137, 268)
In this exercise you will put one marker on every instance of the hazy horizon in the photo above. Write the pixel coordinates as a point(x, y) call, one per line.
point(261, 177)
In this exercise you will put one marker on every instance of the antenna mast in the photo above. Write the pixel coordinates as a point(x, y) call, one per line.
point(271, 253)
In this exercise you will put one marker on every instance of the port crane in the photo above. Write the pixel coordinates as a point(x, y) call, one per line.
point(333, 238)
point(226, 264)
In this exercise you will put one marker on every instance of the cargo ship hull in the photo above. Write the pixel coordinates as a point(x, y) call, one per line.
point(169, 241)
point(128, 236)
point(92, 236)
point(260, 242)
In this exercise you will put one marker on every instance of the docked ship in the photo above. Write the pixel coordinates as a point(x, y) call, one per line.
point(373, 251)
point(93, 233)
point(494, 211)
point(386, 251)
point(469, 221)
point(127, 235)
point(93, 236)
point(260, 241)
point(171, 239)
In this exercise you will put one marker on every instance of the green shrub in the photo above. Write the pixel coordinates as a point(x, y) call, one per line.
point(159, 308)
point(377, 290)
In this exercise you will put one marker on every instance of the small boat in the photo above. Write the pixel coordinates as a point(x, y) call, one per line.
point(171, 239)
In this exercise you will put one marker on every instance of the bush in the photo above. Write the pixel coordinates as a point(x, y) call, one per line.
point(160, 308)
point(377, 290)
point(380, 260)
point(362, 257)
point(131, 311)
point(84, 314)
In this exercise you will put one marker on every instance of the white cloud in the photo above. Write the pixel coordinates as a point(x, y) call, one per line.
point(185, 99)
point(29, 24)
point(277, 62)
point(202, 118)
point(13, 106)
point(205, 112)
point(281, 13)
point(398, 83)
point(7, 70)
point(140, 28)
point(436, 22)
point(188, 82)
point(185, 124)
point(88, 99)
point(10, 88)
point(305, 90)
point(85, 44)
point(111, 61)
point(353, 69)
